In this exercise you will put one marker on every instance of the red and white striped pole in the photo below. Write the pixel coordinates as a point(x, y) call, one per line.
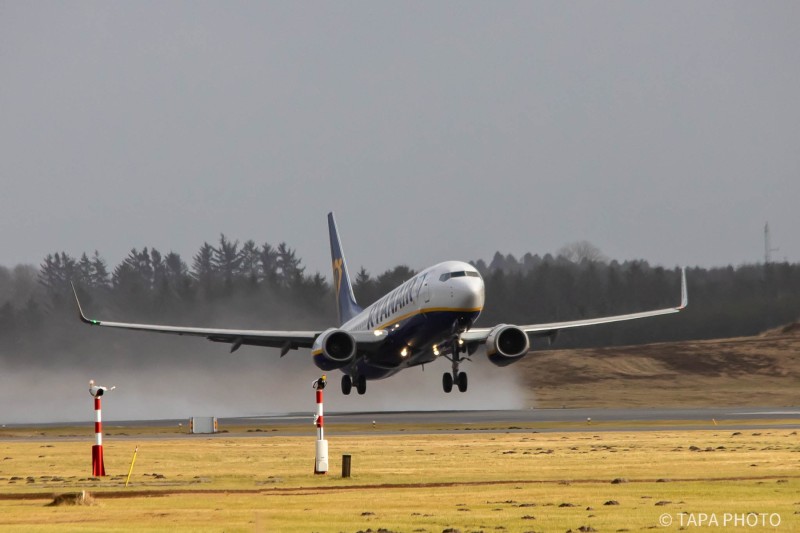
point(98, 466)
point(321, 456)
point(319, 417)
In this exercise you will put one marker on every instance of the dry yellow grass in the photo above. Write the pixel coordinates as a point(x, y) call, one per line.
point(754, 371)
point(409, 483)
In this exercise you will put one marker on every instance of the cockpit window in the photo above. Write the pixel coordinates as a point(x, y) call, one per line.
point(459, 274)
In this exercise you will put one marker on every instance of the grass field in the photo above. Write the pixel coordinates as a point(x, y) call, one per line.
point(755, 371)
point(466, 481)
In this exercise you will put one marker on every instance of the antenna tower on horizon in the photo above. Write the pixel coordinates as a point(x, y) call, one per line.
point(767, 245)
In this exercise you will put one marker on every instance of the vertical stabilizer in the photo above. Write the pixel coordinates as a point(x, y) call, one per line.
point(346, 304)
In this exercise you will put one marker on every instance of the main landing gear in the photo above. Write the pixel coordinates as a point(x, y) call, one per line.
point(456, 377)
point(347, 384)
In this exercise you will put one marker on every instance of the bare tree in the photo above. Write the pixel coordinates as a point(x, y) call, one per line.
point(580, 251)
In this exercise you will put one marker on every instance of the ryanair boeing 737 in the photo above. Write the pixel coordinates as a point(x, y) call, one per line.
point(428, 316)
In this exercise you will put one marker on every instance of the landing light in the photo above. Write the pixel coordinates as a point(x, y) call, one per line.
point(404, 352)
point(461, 342)
point(435, 350)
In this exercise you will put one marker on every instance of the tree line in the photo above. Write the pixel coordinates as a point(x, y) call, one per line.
point(247, 285)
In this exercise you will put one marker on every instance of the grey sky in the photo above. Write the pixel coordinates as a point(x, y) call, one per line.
point(668, 131)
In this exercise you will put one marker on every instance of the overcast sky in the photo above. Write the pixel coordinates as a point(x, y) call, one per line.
point(668, 131)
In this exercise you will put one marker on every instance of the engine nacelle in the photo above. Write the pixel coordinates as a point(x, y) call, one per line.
point(506, 344)
point(335, 348)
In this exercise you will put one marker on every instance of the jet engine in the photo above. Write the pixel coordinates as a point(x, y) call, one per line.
point(334, 348)
point(506, 344)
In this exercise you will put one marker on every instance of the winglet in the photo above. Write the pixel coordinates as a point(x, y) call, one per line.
point(80, 311)
point(684, 292)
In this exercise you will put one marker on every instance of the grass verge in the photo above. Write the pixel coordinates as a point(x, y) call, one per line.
point(470, 481)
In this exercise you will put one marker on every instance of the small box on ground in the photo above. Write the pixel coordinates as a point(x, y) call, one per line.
point(203, 424)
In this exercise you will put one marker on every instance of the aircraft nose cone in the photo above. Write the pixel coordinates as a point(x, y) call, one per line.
point(470, 294)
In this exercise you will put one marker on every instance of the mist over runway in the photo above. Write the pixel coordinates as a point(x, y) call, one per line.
point(250, 383)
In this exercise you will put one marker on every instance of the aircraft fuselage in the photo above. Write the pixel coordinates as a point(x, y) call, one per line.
point(420, 318)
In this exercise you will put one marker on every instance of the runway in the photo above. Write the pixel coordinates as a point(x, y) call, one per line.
point(509, 420)
point(612, 419)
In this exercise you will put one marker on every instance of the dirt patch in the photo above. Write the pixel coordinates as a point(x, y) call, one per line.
point(72, 498)
point(788, 329)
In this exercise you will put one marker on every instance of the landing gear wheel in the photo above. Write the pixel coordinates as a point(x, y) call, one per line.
point(462, 381)
point(447, 382)
point(361, 384)
point(459, 378)
point(347, 384)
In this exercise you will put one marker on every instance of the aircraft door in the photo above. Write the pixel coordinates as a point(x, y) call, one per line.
point(425, 290)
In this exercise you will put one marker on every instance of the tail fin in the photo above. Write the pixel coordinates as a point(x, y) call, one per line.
point(346, 304)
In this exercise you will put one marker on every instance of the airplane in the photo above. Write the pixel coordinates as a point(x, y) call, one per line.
point(428, 316)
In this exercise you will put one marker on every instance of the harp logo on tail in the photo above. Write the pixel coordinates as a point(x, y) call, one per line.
point(337, 274)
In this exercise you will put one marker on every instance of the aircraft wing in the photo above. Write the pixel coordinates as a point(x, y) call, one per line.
point(285, 340)
point(550, 329)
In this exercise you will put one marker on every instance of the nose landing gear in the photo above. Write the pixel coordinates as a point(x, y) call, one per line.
point(455, 377)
